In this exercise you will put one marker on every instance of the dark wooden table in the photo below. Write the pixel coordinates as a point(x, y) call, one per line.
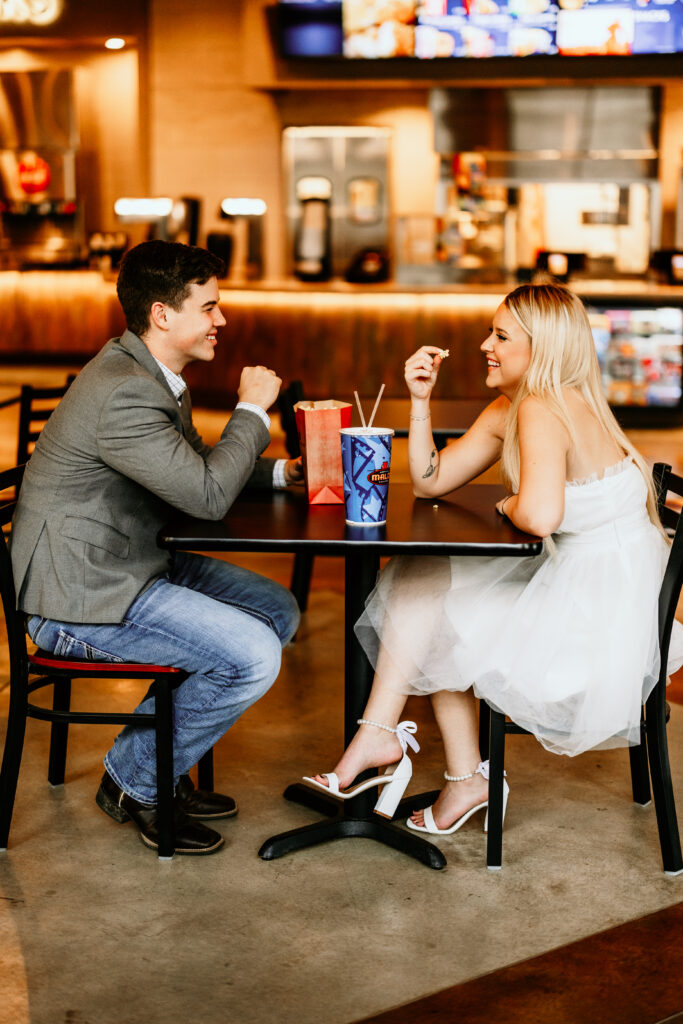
point(464, 522)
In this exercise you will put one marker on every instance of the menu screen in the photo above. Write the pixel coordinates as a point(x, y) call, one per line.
point(311, 28)
point(428, 29)
point(639, 351)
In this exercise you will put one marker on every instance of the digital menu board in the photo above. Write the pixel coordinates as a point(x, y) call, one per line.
point(432, 29)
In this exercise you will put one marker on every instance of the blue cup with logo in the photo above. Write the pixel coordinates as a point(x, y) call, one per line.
point(366, 459)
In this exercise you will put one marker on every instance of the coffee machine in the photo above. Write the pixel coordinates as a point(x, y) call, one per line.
point(337, 202)
point(172, 220)
point(240, 246)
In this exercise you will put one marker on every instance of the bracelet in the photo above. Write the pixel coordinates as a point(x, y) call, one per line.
point(427, 417)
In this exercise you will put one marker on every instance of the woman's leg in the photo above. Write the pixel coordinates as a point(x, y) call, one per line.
point(456, 716)
point(407, 617)
point(372, 747)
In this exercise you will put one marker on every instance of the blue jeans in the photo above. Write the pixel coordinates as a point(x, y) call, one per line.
point(224, 625)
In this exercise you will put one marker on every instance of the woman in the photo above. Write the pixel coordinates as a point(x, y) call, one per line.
point(565, 643)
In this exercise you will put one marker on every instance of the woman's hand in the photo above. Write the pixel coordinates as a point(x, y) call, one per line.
point(422, 369)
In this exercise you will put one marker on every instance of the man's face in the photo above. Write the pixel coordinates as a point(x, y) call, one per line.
point(191, 330)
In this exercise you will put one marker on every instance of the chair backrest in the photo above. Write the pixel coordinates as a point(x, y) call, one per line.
point(10, 482)
point(36, 405)
point(287, 399)
point(667, 482)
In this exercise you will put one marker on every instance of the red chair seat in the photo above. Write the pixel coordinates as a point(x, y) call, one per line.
point(55, 661)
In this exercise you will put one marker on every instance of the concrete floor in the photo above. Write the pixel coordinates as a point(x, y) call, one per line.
point(94, 930)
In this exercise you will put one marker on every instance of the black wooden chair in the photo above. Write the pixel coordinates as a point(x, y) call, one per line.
point(287, 399)
point(302, 570)
point(31, 672)
point(36, 405)
point(653, 747)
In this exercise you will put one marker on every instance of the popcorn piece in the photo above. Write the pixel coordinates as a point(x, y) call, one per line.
point(444, 353)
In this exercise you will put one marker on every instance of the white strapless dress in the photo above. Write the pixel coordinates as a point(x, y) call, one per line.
point(565, 643)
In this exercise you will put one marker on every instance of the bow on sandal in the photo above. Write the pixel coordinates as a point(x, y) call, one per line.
point(431, 826)
point(394, 782)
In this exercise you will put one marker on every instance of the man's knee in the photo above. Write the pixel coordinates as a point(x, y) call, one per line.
point(262, 664)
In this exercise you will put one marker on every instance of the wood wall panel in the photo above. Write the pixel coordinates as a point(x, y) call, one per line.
point(332, 342)
point(338, 343)
point(333, 339)
point(671, 158)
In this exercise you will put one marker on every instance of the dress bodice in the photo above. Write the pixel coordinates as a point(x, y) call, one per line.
point(617, 497)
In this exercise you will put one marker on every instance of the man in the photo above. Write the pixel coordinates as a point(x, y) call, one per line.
point(116, 457)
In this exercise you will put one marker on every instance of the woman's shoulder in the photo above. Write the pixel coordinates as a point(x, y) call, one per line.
point(495, 415)
point(548, 404)
point(499, 407)
point(544, 417)
point(540, 407)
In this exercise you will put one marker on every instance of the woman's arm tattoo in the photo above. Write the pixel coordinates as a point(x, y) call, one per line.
point(433, 464)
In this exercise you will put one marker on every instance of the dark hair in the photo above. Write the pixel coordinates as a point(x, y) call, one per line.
point(160, 271)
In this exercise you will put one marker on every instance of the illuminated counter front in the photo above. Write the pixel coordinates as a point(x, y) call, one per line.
point(336, 341)
point(335, 337)
point(339, 338)
point(56, 313)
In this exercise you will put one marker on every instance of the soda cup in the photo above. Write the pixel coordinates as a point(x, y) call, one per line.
point(366, 459)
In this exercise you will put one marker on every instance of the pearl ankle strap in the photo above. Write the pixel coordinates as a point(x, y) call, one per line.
point(378, 725)
point(404, 731)
point(481, 769)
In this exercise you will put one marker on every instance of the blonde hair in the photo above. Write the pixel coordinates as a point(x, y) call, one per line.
point(562, 356)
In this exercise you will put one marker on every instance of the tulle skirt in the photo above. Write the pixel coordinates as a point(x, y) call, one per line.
point(565, 643)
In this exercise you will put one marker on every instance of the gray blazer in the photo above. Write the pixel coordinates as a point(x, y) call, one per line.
point(115, 458)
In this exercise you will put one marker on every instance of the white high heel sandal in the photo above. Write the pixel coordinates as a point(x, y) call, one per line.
point(395, 782)
point(431, 826)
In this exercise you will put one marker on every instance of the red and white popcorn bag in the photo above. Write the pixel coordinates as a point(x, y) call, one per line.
point(319, 424)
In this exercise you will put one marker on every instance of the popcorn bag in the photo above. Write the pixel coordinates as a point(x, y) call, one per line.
point(319, 424)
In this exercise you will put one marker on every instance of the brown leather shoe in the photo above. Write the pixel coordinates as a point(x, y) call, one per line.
point(200, 803)
point(190, 836)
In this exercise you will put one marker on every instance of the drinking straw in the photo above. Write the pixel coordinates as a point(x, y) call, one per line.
point(360, 410)
point(376, 404)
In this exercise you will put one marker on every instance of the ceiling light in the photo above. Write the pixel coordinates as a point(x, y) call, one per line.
point(115, 43)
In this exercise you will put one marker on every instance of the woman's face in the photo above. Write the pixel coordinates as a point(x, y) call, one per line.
point(508, 351)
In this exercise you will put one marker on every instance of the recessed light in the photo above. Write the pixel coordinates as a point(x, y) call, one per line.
point(115, 43)
point(241, 207)
point(145, 209)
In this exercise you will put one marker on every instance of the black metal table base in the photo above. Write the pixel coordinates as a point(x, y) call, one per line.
point(314, 799)
point(347, 822)
point(343, 827)
point(355, 817)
